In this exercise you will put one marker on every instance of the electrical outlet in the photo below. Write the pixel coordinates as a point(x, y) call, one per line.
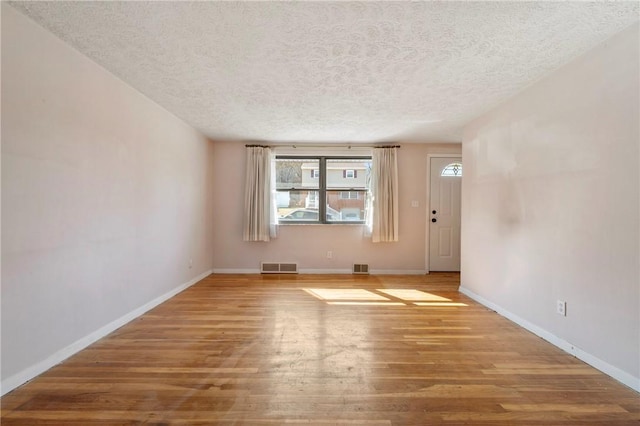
point(561, 308)
point(329, 254)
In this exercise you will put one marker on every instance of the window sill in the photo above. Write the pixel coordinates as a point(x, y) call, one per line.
point(322, 224)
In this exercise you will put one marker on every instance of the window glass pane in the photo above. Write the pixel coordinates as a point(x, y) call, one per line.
point(346, 206)
point(297, 173)
point(453, 169)
point(297, 206)
point(348, 173)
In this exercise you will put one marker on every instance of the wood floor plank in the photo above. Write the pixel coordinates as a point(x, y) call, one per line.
point(265, 350)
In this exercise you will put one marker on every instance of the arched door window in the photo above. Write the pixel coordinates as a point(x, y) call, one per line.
point(453, 169)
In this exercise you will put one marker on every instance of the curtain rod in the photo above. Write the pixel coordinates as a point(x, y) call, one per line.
point(322, 146)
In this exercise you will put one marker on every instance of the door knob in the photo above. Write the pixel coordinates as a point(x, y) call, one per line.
point(433, 211)
point(434, 220)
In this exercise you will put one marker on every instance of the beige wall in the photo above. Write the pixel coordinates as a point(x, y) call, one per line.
point(308, 244)
point(551, 207)
point(105, 199)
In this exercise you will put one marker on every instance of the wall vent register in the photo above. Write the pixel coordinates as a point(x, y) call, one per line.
point(360, 268)
point(278, 268)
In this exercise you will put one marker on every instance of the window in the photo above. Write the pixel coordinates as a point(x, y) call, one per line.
point(349, 195)
point(322, 189)
point(453, 169)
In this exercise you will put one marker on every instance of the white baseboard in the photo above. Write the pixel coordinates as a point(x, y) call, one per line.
point(325, 271)
point(371, 272)
point(29, 373)
point(618, 374)
point(398, 272)
point(236, 271)
point(329, 271)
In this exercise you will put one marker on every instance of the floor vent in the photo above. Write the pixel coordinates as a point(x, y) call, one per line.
point(360, 268)
point(278, 268)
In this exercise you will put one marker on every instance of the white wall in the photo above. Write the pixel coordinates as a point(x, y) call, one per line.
point(105, 199)
point(308, 244)
point(551, 207)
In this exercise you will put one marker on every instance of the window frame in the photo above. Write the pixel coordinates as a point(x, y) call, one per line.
point(322, 188)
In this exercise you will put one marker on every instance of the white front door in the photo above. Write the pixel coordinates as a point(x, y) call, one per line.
point(444, 213)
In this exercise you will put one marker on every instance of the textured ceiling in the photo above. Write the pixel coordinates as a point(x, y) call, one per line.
point(325, 71)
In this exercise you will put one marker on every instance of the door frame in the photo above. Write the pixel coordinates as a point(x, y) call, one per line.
point(428, 204)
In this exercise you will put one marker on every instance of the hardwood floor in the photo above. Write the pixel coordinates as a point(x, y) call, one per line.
point(320, 349)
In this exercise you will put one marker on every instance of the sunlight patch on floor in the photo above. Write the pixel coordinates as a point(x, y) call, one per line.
point(368, 303)
point(414, 295)
point(343, 294)
point(441, 304)
point(395, 297)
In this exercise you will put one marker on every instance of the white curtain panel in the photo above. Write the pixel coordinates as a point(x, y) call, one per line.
point(259, 215)
point(384, 191)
